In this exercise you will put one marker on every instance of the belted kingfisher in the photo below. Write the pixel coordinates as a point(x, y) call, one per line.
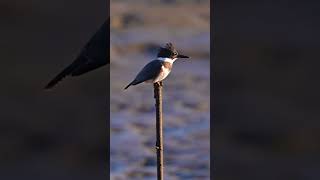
point(158, 69)
point(94, 55)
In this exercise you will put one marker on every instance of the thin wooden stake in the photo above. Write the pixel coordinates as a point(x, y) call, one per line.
point(159, 124)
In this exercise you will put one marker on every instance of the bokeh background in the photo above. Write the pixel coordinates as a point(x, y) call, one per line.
point(58, 134)
point(138, 28)
point(266, 90)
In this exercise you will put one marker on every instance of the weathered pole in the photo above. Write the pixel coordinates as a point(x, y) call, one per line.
point(159, 130)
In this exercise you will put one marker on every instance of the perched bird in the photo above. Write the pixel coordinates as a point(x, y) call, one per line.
point(94, 55)
point(158, 69)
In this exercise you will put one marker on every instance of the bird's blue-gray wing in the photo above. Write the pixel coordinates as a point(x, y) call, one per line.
point(149, 71)
point(95, 54)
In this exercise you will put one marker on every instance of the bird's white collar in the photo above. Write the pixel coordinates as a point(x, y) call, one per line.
point(166, 59)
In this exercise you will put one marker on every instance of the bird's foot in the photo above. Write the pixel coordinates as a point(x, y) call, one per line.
point(158, 84)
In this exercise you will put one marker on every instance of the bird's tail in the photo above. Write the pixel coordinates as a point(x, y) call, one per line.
point(127, 86)
point(67, 71)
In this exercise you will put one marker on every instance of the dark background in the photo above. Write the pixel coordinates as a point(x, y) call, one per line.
point(266, 90)
point(58, 134)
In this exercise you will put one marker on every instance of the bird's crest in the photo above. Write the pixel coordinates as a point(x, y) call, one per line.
point(170, 46)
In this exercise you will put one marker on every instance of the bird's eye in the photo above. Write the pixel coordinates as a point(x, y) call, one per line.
point(175, 53)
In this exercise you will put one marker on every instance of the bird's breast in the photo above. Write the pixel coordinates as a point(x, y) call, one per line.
point(167, 65)
point(164, 72)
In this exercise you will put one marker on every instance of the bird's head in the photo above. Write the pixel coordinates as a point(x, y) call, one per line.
point(170, 52)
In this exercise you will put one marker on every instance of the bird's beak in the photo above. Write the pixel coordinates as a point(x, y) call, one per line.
point(182, 56)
